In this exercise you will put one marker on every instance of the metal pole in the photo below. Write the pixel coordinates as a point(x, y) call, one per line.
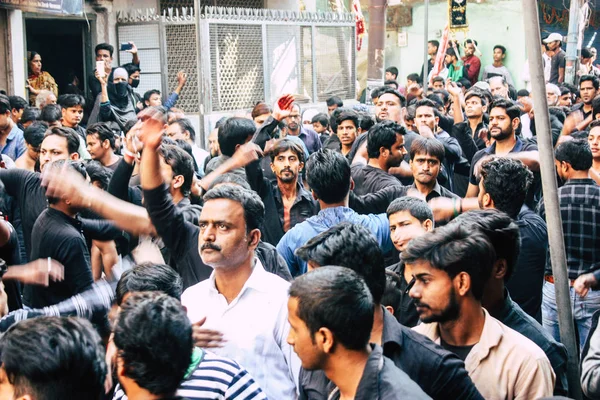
point(551, 203)
point(376, 39)
point(425, 55)
point(572, 40)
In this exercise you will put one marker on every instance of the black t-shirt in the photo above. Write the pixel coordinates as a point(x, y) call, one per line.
point(368, 179)
point(461, 351)
point(11, 255)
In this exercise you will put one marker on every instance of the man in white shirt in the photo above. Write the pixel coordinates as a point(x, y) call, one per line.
point(240, 299)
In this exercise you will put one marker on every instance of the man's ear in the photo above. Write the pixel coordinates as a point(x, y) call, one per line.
point(178, 181)
point(428, 225)
point(74, 156)
point(500, 269)
point(254, 238)
point(325, 340)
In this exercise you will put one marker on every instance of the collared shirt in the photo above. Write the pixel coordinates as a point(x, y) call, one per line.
point(526, 282)
point(381, 379)
point(515, 318)
point(15, 143)
point(310, 138)
point(469, 141)
point(408, 315)
point(254, 326)
point(97, 299)
point(438, 372)
point(579, 200)
point(438, 191)
point(303, 208)
point(504, 364)
point(325, 219)
point(368, 179)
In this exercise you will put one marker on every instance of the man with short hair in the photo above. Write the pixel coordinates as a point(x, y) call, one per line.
point(385, 147)
point(438, 83)
point(427, 121)
point(566, 97)
point(454, 65)
point(295, 128)
point(104, 52)
point(33, 135)
point(471, 61)
point(163, 335)
point(391, 74)
point(152, 97)
point(594, 142)
point(352, 246)
point(504, 185)
point(101, 145)
point(72, 106)
point(52, 115)
point(329, 176)
point(432, 49)
point(30, 114)
point(426, 158)
point(558, 63)
point(17, 104)
point(497, 68)
point(468, 132)
point(579, 198)
point(11, 137)
point(330, 311)
point(76, 371)
point(582, 113)
point(450, 267)
point(347, 130)
point(503, 234)
point(235, 132)
point(183, 129)
point(333, 103)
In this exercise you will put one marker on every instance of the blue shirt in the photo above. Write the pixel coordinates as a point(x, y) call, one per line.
point(15, 143)
point(325, 219)
point(310, 138)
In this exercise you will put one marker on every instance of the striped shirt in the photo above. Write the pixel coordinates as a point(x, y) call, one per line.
point(215, 378)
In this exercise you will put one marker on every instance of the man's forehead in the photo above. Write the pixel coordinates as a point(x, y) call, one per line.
point(54, 142)
point(402, 216)
point(388, 97)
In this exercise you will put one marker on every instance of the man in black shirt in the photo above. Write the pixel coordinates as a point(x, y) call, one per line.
point(100, 141)
point(582, 113)
point(385, 147)
point(426, 158)
point(467, 132)
point(503, 233)
point(57, 234)
point(439, 373)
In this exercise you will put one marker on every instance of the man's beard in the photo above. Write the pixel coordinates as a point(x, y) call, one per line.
point(503, 134)
point(450, 313)
point(288, 177)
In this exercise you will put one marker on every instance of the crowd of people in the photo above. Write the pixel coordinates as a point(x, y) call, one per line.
point(398, 250)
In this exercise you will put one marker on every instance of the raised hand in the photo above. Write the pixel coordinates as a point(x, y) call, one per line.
point(64, 183)
point(151, 129)
point(283, 107)
point(38, 272)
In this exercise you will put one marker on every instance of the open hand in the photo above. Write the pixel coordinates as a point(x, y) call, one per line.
point(247, 153)
point(283, 107)
point(38, 272)
point(206, 338)
point(64, 183)
point(152, 127)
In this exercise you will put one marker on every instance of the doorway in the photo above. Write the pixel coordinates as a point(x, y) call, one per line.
point(64, 46)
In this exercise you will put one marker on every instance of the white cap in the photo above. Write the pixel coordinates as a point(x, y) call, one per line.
point(554, 37)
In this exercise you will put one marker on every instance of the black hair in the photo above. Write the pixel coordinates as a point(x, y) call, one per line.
point(565, 89)
point(130, 123)
point(186, 125)
point(464, 82)
point(236, 131)
point(34, 133)
point(577, 153)
point(432, 147)
point(283, 145)
point(375, 93)
point(328, 175)
point(590, 78)
point(185, 146)
point(558, 113)
point(417, 208)
point(149, 94)
point(103, 131)
point(104, 46)
point(98, 173)
point(254, 209)
point(411, 111)
point(438, 79)
point(334, 101)
point(392, 70)
point(383, 134)
point(470, 41)
point(507, 181)
point(512, 109)
point(333, 123)
point(5, 106)
point(321, 118)
point(17, 102)
point(476, 93)
point(131, 68)
point(426, 103)
point(443, 94)
point(366, 121)
point(232, 178)
point(502, 232)
point(392, 295)
point(455, 249)
point(586, 53)
point(595, 107)
point(594, 124)
point(451, 52)
point(152, 331)
point(414, 77)
point(581, 134)
point(523, 93)
point(352, 246)
point(502, 48)
point(74, 365)
point(70, 100)
point(69, 134)
point(51, 113)
point(388, 90)
point(181, 163)
point(391, 82)
point(434, 43)
point(148, 277)
point(30, 114)
point(347, 115)
point(338, 299)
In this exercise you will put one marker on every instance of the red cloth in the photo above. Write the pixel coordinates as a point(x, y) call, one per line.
point(473, 67)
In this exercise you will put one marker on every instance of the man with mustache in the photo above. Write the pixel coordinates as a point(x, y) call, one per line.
point(594, 142)
point(450, 267)
point(295, 128)
point(426, 157)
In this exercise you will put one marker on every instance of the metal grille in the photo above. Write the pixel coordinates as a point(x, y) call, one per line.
point(182, 53)
point(335, 63)
point(165, 4)
point(147, 38)
point(236, 66)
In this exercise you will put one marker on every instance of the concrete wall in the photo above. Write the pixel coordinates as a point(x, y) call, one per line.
point(490, 23)
point(4, 53)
